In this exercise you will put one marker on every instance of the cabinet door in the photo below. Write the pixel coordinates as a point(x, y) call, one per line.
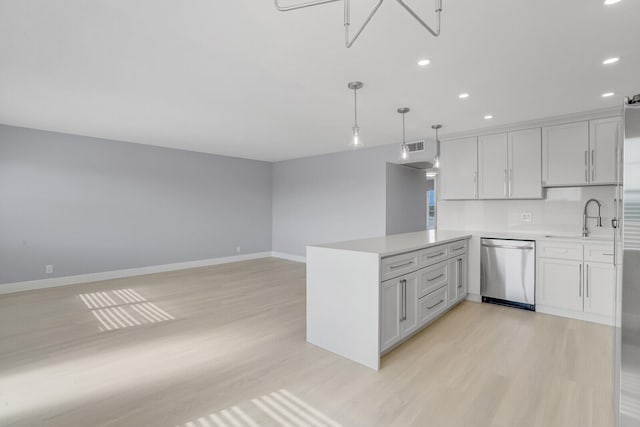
point(458, 169)
point(565, 154)
point(390, 308)
point(492, 166)
point(560, 284)
point(457, 278)
point(410, 322)
point(600, 289)
point(603, 137)
point(525, 164)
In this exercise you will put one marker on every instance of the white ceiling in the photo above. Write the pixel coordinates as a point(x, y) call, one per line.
point(239, 78)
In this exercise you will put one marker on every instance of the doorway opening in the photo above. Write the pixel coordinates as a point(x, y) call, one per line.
point(432, 200)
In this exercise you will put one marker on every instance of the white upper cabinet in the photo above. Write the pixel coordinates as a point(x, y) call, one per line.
point(525, 164)
point(604, 136)
point(459, 169)
point(510, 165)
point(565, 151)
point(493, 166)
point(581, 153)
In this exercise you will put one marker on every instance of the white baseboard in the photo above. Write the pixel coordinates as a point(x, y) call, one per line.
point(31, 285)
point(587, 317)
point(473, 297)
point(290, 257)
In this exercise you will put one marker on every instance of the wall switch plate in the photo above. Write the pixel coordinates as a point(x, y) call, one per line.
point(526, 217)
point(238, 249)
point(48, 269)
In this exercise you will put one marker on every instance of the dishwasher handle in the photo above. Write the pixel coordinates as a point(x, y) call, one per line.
point(523, 248)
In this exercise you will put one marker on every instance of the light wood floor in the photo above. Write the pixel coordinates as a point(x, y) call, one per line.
point(225, 346)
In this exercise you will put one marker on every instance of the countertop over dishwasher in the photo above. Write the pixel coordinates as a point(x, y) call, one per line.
point(398, 243)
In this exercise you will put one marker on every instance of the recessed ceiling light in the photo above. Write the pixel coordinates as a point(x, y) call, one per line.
point(607, 94)
point(463, 95)
point(610, 61)
point(488, 117)
point(424, 62)
point(610, 2)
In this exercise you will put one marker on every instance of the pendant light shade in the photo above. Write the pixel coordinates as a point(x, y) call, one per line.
point(436, 162)
point(356, 141)
point(404, 149)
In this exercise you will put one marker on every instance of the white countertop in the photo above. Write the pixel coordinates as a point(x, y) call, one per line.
point(539, 236)
point(398, 243)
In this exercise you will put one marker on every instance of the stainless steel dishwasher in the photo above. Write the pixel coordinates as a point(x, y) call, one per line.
point(507, 272)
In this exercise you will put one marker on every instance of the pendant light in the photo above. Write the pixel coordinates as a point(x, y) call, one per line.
point(404, 149)
point(436, 163)
point(356, 142)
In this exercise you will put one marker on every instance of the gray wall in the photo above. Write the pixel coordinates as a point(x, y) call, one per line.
point(406, 199)
point(320, 199)
point(88, 205)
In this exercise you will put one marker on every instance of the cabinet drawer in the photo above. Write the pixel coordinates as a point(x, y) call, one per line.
point(560, 251)
point(457, 248)
point(433, 255)
point(431, 278)
point(398, 265)
point(432, 305)
point(598, 253)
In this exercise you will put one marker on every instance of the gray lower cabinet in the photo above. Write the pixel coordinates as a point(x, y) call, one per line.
point(399, 306)
point(412, 300)
point(457, 278)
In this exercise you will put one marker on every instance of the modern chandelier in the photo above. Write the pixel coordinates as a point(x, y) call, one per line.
point(348, 39)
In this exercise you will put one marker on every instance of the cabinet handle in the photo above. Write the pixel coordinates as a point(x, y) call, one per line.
point(429, 307)
point(458, 248)
point(505, 183)
point(510, 182)
point(400, 265)
point(586, 165)
point(580, 283)
point(435, 256)
point(435, 278)
point(459, 273)
point(587, 280)
point(593, 165)
point(475, 184)
point(403, 283)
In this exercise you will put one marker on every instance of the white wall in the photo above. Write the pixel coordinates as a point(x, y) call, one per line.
point(560, 212)
point(329, 198)
point(88, 205)
point(406, 199)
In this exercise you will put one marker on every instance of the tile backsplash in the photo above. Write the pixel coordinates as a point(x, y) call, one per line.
point(560, 212)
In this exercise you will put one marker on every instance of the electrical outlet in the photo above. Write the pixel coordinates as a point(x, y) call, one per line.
point(48, 269)
point(238, 249)
point(526, 217)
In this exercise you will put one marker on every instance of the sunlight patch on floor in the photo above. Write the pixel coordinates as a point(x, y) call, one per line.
point(122, 308)
point(281, 408)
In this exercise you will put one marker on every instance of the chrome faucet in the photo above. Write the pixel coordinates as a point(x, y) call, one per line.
point(585, 216)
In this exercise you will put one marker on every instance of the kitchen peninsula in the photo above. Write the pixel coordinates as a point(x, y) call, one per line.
point(364, 297)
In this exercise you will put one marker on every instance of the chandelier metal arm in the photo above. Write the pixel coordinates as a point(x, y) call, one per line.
point(302, 5)
point(438, 11)
point(347, 22)
point(347, 15)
